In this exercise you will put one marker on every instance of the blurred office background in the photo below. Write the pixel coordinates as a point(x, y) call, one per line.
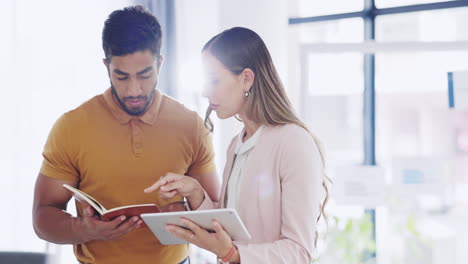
point(368, 76)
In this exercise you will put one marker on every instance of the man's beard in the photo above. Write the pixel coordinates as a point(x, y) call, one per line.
point(136, 112)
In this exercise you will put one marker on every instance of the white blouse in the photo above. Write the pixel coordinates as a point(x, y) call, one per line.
point(241, 150)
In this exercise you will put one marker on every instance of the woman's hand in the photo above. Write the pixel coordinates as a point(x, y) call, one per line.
point(219, 242)
point(172, 184)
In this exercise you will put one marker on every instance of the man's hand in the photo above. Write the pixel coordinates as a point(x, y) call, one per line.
point(93, 228)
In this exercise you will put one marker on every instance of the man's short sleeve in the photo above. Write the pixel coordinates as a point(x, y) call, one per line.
point(203, 161)
point(59, 155)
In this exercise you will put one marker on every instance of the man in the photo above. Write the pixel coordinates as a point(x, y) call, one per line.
point(117, 144)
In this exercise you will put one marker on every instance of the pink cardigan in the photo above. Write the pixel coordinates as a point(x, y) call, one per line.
point(281, 190)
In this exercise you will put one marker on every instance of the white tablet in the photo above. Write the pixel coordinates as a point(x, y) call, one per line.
point(228, 218)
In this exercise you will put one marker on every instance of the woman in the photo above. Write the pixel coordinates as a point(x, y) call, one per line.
point(274, 172)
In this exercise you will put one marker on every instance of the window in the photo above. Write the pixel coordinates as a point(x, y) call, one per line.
point(395, 3)
point(307, 8)
point(407, 94)
point(412, 114)
point(434, 25)
point(332, 105)
point(346, 30)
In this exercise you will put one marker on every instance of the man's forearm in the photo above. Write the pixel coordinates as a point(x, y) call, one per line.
point(57, 226)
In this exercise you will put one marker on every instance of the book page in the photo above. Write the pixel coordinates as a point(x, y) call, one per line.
point(130, 206)
point(129, 211)
point(85, 198)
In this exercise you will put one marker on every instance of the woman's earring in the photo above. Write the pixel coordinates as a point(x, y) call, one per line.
point(246, 94)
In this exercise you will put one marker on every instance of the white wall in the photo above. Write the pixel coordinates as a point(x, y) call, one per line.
point(51, 61)
point(198, 21)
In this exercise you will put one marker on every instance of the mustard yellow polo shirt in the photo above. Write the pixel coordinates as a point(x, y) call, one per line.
point(114, 156)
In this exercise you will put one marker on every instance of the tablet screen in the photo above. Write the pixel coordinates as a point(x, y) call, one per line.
point(228, 218)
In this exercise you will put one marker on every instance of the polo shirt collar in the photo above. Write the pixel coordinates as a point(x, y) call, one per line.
point(149, 117)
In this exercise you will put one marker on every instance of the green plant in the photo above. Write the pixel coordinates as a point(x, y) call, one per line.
point(350, 242)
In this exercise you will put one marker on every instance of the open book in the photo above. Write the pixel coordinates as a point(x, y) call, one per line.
point(109, 214)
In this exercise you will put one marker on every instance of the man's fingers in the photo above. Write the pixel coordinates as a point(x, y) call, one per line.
point(88, 211)
point(129, 225)
point(119, 227)
point(114, 223)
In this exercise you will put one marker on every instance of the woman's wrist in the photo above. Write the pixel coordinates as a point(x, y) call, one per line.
point(236, 257)
point(228, 255)
point(196, 198)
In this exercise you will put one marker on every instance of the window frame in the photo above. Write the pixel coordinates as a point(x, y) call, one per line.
point(369, 15)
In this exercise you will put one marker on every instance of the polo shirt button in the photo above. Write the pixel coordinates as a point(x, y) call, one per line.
point(138, 145)
point(135, 132)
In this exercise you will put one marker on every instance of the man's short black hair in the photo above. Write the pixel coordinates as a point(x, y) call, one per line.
point(129, 30)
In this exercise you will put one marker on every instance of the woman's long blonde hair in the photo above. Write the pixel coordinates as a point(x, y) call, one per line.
point(241, 48)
